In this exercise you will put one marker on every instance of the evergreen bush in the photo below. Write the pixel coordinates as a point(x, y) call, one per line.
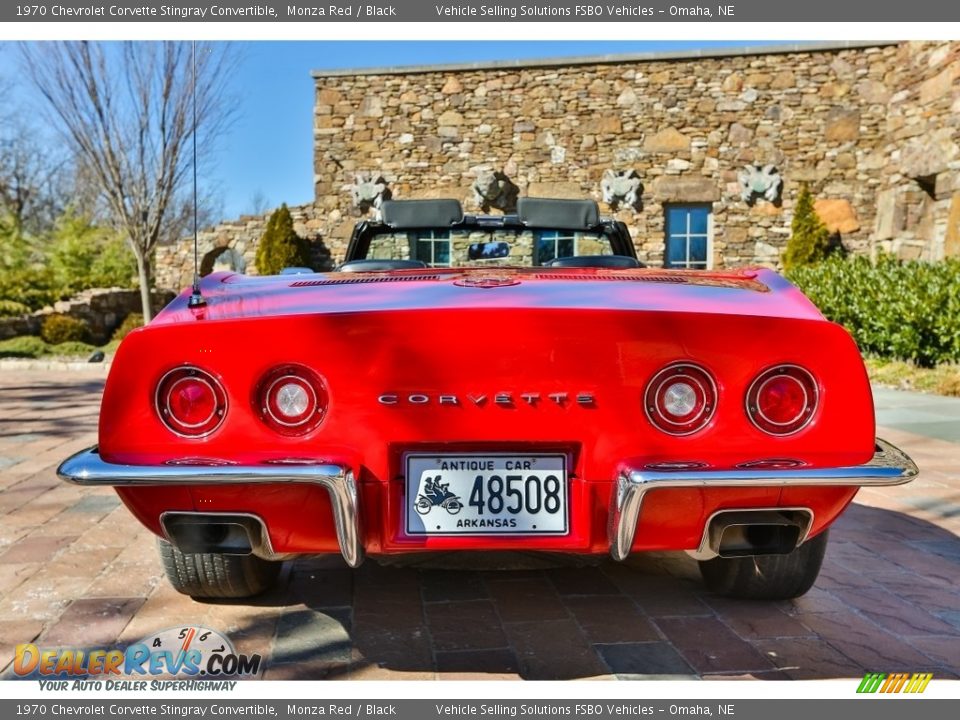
point(280, 246)
point(810, 240)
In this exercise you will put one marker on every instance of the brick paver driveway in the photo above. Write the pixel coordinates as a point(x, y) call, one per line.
point(76, 569)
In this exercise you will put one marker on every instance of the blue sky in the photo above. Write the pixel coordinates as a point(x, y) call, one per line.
point(268, 150)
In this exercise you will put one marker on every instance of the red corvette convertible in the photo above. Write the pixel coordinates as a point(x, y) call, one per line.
point(468, 383)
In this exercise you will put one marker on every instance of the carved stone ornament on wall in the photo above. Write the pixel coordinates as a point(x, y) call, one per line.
point(621, 188)
point(758, 181)
point(493, 189)
point(369, 191)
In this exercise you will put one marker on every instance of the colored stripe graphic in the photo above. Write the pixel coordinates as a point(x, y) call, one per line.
point(919, 682)
point(894, 683)
point(871, 682)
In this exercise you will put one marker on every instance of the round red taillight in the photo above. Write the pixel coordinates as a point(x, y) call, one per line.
point(190, 401)
point(681, 399)
point(292, 399)
point(782, 400)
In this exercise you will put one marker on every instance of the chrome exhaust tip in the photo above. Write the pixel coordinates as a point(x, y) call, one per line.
point(223, 533)
point(751, 532)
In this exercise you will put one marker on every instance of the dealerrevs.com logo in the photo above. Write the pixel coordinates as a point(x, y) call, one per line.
point(184, 652)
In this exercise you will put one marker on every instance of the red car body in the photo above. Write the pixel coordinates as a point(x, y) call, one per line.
point(522, 361)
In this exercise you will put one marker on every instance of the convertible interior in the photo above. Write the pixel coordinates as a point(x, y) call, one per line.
point(543, 232)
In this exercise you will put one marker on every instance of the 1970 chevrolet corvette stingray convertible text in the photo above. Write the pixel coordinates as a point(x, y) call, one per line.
point(490, 383)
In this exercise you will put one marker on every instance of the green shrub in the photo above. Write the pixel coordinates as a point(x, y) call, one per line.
point(280, 246)
point(84, 255)
point(809, 241)
point(26, 346)
point(32, 286)
point(71, 347)
point(57, 329)
point(12, 308)
point(893, 309)
point(130, 322)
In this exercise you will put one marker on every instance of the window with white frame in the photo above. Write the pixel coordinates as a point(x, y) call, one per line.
point(688, 237)
point(555, 244)
point(433, 248)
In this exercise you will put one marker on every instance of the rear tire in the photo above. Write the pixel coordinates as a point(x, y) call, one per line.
point(216, 575)
point(767, 577)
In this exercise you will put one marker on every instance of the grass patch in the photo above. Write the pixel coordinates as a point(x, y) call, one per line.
point(942, 380)
point(32, 347)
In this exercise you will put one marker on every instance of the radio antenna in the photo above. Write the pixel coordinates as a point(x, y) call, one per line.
point(196, 298)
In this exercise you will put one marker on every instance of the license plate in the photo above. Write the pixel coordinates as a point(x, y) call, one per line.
point(486, 495)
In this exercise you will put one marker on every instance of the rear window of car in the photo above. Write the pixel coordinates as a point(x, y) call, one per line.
point(482, 247)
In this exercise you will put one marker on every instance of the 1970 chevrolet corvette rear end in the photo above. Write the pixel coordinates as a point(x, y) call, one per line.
point(584, 407)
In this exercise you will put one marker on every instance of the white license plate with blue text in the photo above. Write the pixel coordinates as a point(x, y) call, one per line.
point(486, 495)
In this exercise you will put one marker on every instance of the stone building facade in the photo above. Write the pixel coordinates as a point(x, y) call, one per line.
point(722, 141)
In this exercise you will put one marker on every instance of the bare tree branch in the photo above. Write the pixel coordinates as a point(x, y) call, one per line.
point(31, 180)
point(127, 111)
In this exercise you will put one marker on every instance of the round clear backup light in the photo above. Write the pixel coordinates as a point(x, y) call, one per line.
point(680, 399)
point(292, 399)
point(782, 400)
point(190, 401)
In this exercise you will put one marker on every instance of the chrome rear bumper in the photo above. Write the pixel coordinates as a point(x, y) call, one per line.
point(88, 468)
point(889, 466)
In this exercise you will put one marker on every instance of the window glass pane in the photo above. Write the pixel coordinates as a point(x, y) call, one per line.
point(441, 252)
point(698, 221)
point(677, 220)
point(545, 249)
point(676, 252)
point(565, 247)
point(698, 249)
point(424, 253)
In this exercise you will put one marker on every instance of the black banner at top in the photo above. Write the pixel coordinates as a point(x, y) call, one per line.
point(642, 11)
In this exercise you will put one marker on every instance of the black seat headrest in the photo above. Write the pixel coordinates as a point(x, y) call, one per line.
point(421, 213)
point(551, 213)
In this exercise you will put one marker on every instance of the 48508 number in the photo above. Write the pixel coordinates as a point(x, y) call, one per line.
point(531, 494)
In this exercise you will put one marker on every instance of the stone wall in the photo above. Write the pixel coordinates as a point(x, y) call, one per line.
point(919, 197)
point(174, 263)
point(101, 309)
point(872, 130)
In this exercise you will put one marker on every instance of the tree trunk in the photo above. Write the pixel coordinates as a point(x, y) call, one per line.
point(143, 273)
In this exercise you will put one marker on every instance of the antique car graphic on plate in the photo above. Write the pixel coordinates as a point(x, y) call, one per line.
point(466, 383)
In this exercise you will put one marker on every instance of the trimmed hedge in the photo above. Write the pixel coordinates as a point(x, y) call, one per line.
point(25, 346)
point(71, 348)
point(893, 309)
